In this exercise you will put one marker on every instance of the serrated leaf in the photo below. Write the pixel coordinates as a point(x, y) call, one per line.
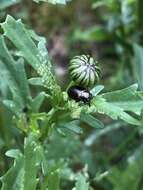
point(23, 174)
point(32, 53)
point(127, 99)
point(113, 111)
point(32, 160)
point(18, 34)
point(13, 73)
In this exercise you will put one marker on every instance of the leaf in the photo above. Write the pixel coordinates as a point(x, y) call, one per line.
point(21, 38)
point(6, 3)
point(37, 81)
point(22, 78)
point(53, 1)
point(23, 174)
point(13, 179)
point(37, 101)
point(13, 73)
point(72, 125)
point(54, 181)
point(113, 111)
point(52, 175)
point(35, 54)
point(11, 105)
point(116, 104)
point(81, 183)
point(14, 153)
point(97, 89)
point(138, 64)
point(91, 121)
point(32, 160)
point(127, 99)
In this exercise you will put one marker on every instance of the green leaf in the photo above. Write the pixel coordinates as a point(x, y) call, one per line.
point(14, 153)
point(128, 99)
point(6, 3)
point(13, 73)
point(11, 105)
point(115, 112)
point(36, 81)
point(116, 104)
point(21, 38)
point(37, 101)
point(54, 181)
point(91, 121)
point(97, 89)
point(72, 125)
point(51, 179)
point(23, 174)
point(35, 55)
point(32, 160)
point(81, 183)
point(13, 179)
point(53, 1)
point(22, 78)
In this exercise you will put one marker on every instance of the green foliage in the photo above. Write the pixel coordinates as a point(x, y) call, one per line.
point(53, 155)
point(37, 57)
point(115, 104)
point(13, 73)
point(23, 173)
point(65, 114)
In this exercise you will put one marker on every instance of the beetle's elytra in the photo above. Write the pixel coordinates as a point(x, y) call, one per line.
point(79, 93)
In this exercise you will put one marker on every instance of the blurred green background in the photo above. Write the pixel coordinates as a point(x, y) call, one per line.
point(112, 32)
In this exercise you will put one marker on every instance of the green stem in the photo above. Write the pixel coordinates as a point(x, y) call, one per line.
point(48, 125)
point(44, 183)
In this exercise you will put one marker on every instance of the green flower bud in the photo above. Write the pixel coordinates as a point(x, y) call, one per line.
point(84, 71)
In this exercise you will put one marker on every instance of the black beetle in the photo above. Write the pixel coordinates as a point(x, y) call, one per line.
point(79, 93)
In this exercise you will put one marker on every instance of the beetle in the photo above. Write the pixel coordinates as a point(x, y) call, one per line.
point(79, 93)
